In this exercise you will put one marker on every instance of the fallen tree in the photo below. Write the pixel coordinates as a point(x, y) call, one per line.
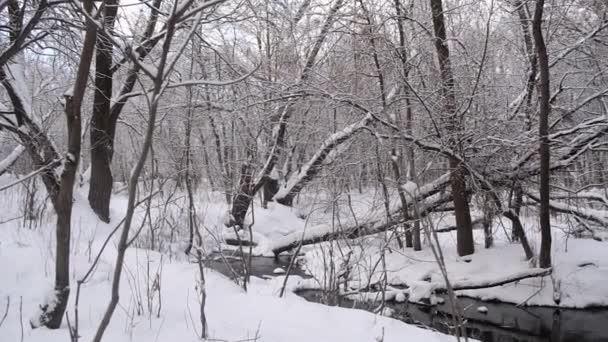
point(428, 201)
point(423, 289)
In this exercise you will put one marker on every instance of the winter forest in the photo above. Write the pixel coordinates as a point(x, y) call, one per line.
point(303, 170)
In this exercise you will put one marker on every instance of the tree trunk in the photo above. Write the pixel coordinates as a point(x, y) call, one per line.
point(271, 187)
point(403, 56)
point(242, 200)
point(543, 132)
point(105, 118)
point(488, 217)
point(464, 233)
point(524, 21)
point(101, 180)
point(454, 129)
point(65, 198)
point(518, 230)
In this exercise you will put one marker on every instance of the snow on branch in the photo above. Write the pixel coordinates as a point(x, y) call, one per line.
point(298, 180)
point(10, 160)
point(327, 232)
point(419, 290)
point(598, 217)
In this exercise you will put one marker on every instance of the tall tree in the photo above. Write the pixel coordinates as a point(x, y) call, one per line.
point(543, 132)
point(454, 130)
point(105, 117)
point(101, 142)
point(52, 314)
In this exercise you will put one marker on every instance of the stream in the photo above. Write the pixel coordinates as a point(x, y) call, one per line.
point(503, 322)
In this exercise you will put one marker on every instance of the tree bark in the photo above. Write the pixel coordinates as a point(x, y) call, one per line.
point(518, 231)
point(543, 132)
point(243, 198)
point(101, 180)
point(105, 116)
point(465, 243)
point(524, 21)
point(411, 157)
point(73, 103)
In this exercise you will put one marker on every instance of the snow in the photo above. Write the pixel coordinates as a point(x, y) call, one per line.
point(274, 174)
point(278, 270)
point(482, 309)
point(420, 290)
point(47, 304)
point(26, 262)
point(579, 265)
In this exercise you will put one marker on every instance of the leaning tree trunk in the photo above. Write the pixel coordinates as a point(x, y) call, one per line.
point(242, 200)
point(543, 132)
point(101, 181)
point(52, 319)
point(465, 243)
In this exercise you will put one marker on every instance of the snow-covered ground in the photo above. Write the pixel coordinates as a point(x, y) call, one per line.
point(159, 297)
point(580, 266)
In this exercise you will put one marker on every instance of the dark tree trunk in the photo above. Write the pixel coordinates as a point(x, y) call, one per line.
point(464, 233)
point(105, 118)
point(518, 200)
point(465, 243)
point(543, 132)
point(101, 181)
point(243, 198)
point(488, 217)
point(65, 198)
point(271, 187)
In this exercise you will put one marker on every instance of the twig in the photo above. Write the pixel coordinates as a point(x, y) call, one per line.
point(8, 304)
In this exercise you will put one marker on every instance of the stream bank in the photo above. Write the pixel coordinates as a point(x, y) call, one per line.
point(494, 322)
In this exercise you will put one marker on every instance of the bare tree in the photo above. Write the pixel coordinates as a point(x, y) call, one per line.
point(52, 313)
point(101, 142)
point(454, 130)
point(543, 132)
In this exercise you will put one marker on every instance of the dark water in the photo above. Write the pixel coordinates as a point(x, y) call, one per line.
point(263, 267)
point(502, 323)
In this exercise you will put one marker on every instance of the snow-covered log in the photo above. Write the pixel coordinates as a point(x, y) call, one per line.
point(326, 232)
point(498, 281)
point(419, 290)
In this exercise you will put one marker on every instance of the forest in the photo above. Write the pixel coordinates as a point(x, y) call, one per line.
point(244, 170)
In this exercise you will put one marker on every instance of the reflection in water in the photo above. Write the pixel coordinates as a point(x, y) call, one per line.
point(502, 323)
